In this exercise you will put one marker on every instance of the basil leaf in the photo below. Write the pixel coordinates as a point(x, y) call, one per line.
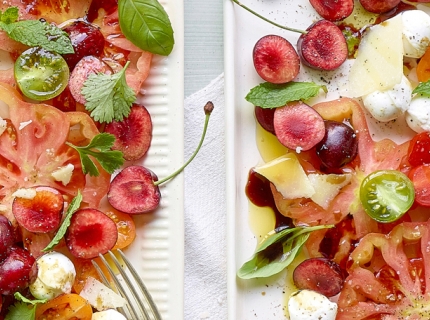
point(268, 95)
point(276, 252)
point(423, 89)
point(146, 24)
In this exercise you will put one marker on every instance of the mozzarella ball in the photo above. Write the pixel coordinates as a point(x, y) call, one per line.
point(110, 314)
point(416, 33)
point(389, 104)
point(55, 276)
point(308, 304)
point(418, 114)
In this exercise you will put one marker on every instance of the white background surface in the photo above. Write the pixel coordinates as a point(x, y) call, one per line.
point(203, 43)
point(205, 296)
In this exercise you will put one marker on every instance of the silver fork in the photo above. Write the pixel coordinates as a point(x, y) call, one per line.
point(140, 305)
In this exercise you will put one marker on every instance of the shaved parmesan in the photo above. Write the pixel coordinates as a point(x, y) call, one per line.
point(288, 177)
point(24, 193)
point(63, 174)
point(100, 296)
point(22, 125)
point(379, 62)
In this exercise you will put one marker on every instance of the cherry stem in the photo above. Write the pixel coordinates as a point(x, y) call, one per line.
point(267, 20)
point(208, 110)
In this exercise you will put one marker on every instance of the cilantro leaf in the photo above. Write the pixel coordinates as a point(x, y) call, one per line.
point(35, 33)
point(100, 149)
point(21, 311)
point(73, 207)
point(269, 95)
point(108, 96)
point(18, 296)
point(423, 89)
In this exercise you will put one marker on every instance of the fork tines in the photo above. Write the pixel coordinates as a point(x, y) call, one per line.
point(128, 284)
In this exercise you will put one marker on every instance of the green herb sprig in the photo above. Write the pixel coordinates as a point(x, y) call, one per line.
point(35, 33)
point(23, 309)
point(276, 252)
point(268, 95)
point(147, 25)
point(71, 209)
point(423, 89)
point(100, 149)
point(108, 96)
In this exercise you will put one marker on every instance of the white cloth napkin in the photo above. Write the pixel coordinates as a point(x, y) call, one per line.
point(205, 209)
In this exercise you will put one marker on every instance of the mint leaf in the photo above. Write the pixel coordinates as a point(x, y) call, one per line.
point(35, 33)
point(73, 207)
point(269, 95)
point(100, 149)
point(108, 96)
point(276, 252)
point(423, 89)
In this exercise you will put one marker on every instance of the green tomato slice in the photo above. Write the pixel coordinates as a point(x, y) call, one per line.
point(386, 195)
point(40, 74)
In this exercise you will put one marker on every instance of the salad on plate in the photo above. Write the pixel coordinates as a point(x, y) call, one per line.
point(72, 131)
point(342, 127)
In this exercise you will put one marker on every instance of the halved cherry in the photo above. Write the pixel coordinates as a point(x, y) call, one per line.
point(87, 40)
point(135, 189)
point(333, 10)
point(82, 71)
point(323, 47)
point(7, 236)
point(298, 126)
point(319, 274)
point(275, 59)
point(38, 209)
point(379, 6)
point(133, 134)
point(90, 233)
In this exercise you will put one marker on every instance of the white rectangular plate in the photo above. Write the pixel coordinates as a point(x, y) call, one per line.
point(264, 298)
point(158, 251)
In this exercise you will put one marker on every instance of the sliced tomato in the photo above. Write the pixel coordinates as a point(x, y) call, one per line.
point(399, 288)
point(423, 67)
point(126, 227)
point(33, 146)
point(56, 11)
point(65, 307)
point(420, 177)
point(84, 270)
point(419, 149)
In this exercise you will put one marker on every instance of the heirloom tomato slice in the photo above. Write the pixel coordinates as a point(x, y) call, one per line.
point(420, 177)
point(56, 11)
point(372, 156)
point(389, 275)
point(32, 146)
point(386, 195)
point(419, 149)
